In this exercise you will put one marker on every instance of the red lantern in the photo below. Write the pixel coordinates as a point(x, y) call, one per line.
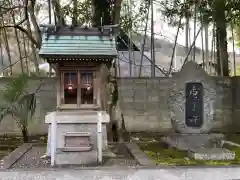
point(70, 87)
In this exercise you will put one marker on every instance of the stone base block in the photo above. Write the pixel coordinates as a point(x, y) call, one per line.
point(189, 142)
point(73, 124)
point(211, 154)
point(76, 158)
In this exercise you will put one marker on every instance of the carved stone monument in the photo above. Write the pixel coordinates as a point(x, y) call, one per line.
point(191, 101)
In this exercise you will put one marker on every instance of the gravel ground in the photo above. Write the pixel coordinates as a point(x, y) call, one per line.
point(8, 144)
point(32, 158)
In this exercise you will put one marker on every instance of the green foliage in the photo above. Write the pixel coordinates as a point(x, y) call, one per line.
point(3, 9)
point(237, 71)
point(174, 9)
point(18, 102)
point(15, 89)
point(83, 13)
point(233, 11)
point(137, 18)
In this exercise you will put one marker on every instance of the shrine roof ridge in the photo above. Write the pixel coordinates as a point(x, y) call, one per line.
point(77, 30)
point(77, 43)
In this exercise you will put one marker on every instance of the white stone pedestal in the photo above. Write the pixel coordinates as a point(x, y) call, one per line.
point(77, 122)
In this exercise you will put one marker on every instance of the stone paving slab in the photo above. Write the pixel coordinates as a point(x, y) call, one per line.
point(116, 174)
point(226, 173)
point(9, 160)
point(211, 154)
point(139, 155)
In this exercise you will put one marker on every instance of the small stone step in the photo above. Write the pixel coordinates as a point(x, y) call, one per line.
point(211, 154)
point(76, 158)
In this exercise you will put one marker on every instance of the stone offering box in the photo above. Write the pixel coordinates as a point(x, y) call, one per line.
point(77, 141)
point(76, 136)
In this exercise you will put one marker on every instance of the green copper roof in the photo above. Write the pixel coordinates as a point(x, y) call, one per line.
point(78, 46)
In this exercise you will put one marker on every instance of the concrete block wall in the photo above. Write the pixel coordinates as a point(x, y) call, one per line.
point(223, 120)
point(143, 102)
point(236, 102)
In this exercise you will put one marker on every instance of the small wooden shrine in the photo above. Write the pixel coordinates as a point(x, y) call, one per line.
point(81, 58)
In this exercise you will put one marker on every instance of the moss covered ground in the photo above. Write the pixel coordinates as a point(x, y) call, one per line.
point(164, 155)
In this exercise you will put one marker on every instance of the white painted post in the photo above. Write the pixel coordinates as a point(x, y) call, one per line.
point(53, 137)
point(99, 137)
point(98, 97)
point(49, 142)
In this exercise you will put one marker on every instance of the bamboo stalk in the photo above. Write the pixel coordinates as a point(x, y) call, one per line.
point(152, 42)
point(144, 41)
point(234, 55)
point(25, 52)
point(1, 51)
point(18, 45)
point(5, 38)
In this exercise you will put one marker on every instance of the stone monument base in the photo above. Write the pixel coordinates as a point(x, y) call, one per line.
point(211, 154)
point(200, 146)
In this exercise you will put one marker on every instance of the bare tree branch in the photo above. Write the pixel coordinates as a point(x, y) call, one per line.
point(18, 24)
point(25, 32)
point(7, 9)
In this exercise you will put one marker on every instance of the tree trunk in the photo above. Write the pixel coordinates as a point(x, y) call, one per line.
point(187, 34)
point(102, 16)
point(57, 10)
point(219, 7)
point(116, 11)
point(25, 53)
point(34, 56)
point(37, 32)
point(18, 44)
point(25, 134)
point(1, 52)
point(206, 48)
point(101, 13)
point(75, 13)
